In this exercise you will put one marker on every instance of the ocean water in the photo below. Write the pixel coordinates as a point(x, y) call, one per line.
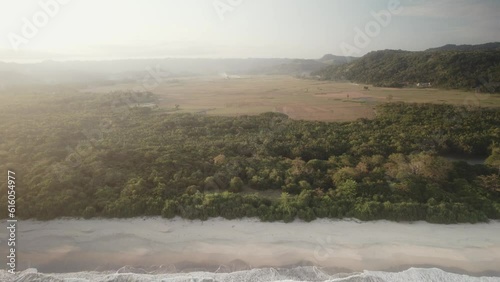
point(308, 273)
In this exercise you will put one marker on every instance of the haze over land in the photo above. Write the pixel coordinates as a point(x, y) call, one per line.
point(191, 38)
point(217, 29)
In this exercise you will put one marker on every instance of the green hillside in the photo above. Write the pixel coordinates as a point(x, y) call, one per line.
point(443, 69)
point(464, 47)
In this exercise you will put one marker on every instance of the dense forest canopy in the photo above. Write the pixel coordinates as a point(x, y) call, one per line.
point(87, 155)
point(444, 68)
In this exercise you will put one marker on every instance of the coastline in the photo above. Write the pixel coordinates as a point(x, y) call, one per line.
point(178, 245)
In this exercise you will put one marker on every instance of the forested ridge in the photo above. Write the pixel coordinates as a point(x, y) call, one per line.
point(86, 155)
point(467, 47)
point(452, 69)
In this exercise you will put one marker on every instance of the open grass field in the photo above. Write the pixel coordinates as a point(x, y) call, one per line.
point(298, 98)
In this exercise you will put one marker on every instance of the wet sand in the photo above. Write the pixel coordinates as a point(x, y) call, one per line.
point(71, 245)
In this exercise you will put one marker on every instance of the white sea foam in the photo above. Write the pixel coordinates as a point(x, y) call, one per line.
point(308, 273)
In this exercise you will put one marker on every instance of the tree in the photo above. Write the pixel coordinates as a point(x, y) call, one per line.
point(344, 174)
point(89, 212)
point(220, 159)
point(490, 182)
point(348, 189)
point(191, 190)
point(236, 184)
point(494, 159)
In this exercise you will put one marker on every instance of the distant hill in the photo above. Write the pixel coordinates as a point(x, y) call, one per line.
point(305, 67)
point(336, 60)
point(444, 69)
point(481, 47)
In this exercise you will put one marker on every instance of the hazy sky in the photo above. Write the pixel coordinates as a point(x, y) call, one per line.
point(108, 29)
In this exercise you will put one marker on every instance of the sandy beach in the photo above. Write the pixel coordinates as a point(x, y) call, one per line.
point(70, 245)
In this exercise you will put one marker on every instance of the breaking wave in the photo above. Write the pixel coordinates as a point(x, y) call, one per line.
point(308, 273)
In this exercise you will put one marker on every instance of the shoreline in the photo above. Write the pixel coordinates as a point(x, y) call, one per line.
point(75, 245)
point(265, 274)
